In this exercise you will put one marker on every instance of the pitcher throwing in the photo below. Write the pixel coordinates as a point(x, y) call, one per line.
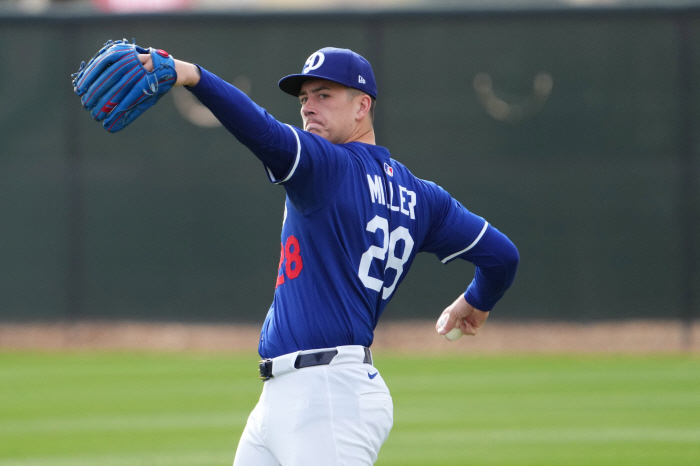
point(354, 220)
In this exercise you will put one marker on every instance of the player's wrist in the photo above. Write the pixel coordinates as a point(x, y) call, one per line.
point(188, 74)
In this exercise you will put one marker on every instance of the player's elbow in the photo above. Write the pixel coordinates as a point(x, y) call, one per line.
point(511, 256)
point(503, 250)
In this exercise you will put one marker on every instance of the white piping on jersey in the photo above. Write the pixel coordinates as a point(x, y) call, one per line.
point(483, 230)
point(296, 162)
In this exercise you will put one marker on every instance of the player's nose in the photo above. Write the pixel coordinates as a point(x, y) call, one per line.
point(308, 107)
point(306, 110)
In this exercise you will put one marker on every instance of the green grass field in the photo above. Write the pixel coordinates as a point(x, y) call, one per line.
point(108, 409)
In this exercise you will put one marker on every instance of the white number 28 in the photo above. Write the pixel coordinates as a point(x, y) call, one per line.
point(379, 253)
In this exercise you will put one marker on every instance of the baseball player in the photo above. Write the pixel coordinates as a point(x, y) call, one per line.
point(354, 221)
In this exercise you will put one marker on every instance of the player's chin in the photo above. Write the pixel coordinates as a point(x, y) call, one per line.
point(321, 132)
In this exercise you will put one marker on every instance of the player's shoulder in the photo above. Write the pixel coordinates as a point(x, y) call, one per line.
point(394, 170)
point(407, 176)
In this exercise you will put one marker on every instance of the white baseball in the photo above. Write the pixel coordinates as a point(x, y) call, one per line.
point(453, 334)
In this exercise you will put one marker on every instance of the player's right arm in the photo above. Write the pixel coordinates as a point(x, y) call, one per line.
point(457, 233)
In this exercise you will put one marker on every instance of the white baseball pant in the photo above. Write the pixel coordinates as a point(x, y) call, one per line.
point(338, 414)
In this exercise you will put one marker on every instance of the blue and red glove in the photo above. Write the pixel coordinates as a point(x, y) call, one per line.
point(115, 86)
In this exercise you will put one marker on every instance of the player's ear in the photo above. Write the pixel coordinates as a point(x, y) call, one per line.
point(364, 106)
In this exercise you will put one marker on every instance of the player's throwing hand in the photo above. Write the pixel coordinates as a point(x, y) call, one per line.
point(460, 315)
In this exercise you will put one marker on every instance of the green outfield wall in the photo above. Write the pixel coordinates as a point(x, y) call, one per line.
point(575, 132)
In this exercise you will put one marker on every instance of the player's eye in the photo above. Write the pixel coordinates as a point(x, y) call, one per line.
point(303, 100)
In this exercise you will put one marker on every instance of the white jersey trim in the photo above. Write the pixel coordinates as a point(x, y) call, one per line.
point(483, 230)
point(294, 167)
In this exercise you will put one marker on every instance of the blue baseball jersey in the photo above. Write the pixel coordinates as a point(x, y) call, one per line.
point(354, 221)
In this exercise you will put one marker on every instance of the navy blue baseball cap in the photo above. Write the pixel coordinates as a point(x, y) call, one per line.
point(339, 65)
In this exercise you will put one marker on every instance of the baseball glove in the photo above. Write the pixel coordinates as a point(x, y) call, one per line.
point(115, 86)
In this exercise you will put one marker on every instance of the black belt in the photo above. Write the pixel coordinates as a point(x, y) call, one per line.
point(319, 358)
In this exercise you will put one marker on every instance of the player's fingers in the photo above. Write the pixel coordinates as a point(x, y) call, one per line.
point(474, 322)
point(146, 61)
point(469, 328)
point(459, 323)
point(456, 311)
point(446, 322)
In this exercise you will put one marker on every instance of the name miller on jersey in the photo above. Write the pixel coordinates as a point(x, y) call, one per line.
point(376, 192)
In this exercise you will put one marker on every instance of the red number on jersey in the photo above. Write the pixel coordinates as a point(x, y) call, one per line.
point(280, 278)
point(293, 258)
point(292, 252)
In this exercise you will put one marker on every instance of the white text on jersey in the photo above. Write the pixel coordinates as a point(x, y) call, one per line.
point(405, 197)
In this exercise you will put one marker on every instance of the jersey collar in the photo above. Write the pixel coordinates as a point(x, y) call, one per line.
point(378, 152)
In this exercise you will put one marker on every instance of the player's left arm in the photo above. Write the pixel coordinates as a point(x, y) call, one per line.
point(274, 143)
point(309, 166)
point(188, 74)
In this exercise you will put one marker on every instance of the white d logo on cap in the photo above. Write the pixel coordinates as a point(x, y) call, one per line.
point(313, 62)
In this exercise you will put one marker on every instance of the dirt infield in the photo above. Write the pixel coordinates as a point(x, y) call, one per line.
point(410, 336)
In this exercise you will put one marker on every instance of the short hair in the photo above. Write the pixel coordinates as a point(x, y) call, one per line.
point(352, 93)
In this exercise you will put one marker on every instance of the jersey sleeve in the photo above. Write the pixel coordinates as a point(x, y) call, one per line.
point(496, 259)
point(308, 166)
point(319, 168)
point(274, 143)
point(453, 229)
point(457, 233)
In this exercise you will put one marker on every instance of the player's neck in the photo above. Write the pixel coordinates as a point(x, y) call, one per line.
point(364, 135)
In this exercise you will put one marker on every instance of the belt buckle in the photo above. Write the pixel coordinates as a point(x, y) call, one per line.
point(265, 366)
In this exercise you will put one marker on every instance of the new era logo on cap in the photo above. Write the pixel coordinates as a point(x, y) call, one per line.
point(339, 65)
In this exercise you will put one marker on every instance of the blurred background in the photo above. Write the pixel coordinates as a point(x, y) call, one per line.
point(572, 126)
point(149, 257)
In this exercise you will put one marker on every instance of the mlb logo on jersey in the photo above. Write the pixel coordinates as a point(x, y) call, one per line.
point(389, 171)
